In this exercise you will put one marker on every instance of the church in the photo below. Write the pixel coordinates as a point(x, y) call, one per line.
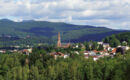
point(59, 45)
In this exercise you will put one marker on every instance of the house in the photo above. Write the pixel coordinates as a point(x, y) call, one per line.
point(95, 51)
point(86, 53)
point(106, 54)
point(100, 43)
point(106, 45)
point(86, 56)
point(66, 56)
point(91, 53)
point(2, 51)
point(76, 52)
point(30, 50)
point(102, 52)
point(77, 46)
point(95, 58)
point(15, 50)
point(125, 47)
point(114, 51)
point(16, 46)
point(124, 42)
point(27, 51)
point(58, 54)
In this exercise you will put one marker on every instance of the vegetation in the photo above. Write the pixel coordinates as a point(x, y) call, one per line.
point(92, 45)
point(118, 39)
point(42, 66)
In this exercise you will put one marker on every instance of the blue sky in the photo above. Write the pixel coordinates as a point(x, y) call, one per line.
point(109, 13)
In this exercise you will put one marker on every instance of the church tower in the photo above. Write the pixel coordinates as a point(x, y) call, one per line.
point(59, 40)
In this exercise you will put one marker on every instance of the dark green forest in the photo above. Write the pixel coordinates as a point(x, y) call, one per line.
point(42, 66)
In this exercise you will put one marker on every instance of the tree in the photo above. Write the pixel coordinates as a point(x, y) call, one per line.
point(100, 47)
point(129, 42)
point(34, 73)
point(94, 46)
point(87, 46)
point(106, 40)
point(114, 42)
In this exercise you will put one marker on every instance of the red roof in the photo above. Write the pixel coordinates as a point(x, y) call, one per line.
point(25, 50)
point(86, 55)
point(114, 50)
point(58, 53)
point(95, 51)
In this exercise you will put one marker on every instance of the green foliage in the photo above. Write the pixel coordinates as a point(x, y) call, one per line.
point(87, 46)
point(42, 66)
point(100, 48)
point(118, 39)
point(94, 46)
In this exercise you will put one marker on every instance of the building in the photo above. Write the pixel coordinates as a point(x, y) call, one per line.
point(114, 51)
point(106, 45)
point(100, 43)
point(125, 47)
point(59, 54)
point(59, 41)
point(2, 51)
point(27, 51)
point(59, 45)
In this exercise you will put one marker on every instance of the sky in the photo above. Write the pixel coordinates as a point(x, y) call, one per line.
point(106, 13)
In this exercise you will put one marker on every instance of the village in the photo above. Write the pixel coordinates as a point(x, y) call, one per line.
point(95, 54)
point(106, 50)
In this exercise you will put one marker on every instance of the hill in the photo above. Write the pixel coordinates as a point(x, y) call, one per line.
point(43, 31)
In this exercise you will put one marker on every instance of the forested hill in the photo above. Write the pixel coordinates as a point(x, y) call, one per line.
point(48, 30)
point(118, 39)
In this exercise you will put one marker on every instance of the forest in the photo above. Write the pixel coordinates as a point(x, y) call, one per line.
point(41, 66)
point(118, 39)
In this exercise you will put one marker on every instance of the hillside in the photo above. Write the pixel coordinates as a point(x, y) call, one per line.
point(45, 31)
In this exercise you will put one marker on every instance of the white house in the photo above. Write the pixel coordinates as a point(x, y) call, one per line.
point(76, 52)
point(100, 43)
point(125, 47)
point(66, 56)
point(105, 45)
point(95, 58)
point(2, 51)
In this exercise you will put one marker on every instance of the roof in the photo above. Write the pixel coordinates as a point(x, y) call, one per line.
point(25, 50)
point(95, 51)
point(99, 51)
point(105, 43)
point(92, 53)
point(57, 53)
point(114, 50)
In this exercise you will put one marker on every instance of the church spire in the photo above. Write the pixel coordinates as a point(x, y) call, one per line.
point(59, 40)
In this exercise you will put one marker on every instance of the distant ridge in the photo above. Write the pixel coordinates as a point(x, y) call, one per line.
point(6, 20)
point(28, 21)
point(49, 30)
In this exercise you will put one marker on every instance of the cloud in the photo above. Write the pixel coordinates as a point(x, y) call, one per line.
point(110, 13)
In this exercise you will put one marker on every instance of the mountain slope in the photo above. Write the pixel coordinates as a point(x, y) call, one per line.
point(48, 30)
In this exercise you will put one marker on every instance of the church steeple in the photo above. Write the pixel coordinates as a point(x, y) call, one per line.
point(59, 40)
